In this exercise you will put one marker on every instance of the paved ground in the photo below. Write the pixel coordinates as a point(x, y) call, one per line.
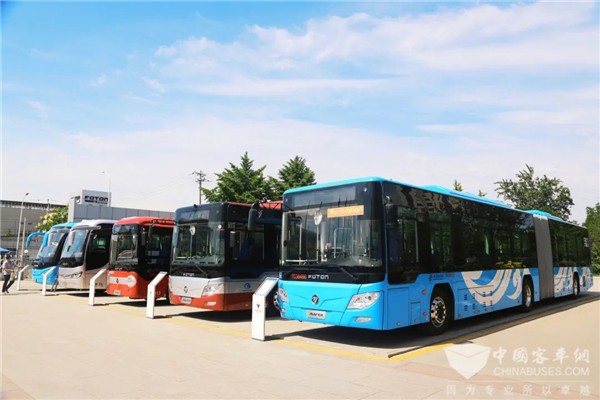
point(58, 347)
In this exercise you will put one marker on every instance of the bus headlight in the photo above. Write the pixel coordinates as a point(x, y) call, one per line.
point(363, 300)
point(282, 294)
point(212, 289)
point(131, 281)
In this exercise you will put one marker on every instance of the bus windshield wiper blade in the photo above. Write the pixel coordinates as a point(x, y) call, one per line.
point(350, 274)
point(205, 272)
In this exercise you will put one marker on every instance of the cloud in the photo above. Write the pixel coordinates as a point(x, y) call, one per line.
point(43, 55)
point(38, 106)
point(99, 81)
point(207, 142)
point(534, 37)
point(154, 85)
point(471, 93)
point(284, 87)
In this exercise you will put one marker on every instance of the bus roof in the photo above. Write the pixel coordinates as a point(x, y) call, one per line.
point(146, 221)
point(67, 225)
point(430, 188)
point(271, 205)
point(93, 222)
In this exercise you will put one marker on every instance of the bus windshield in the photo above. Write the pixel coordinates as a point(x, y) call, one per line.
point(75, 245)
point(54, 238)
point(318, 236)
point(337, 228)
point(125, 247)
point(199, 243)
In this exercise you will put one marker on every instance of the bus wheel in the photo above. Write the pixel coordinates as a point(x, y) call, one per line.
point(527, 296)
point(440, 313)
point(576, 288)
point(272, 304)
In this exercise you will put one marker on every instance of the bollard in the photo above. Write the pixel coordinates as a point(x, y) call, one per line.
point(20, 276)
point(45, 279)
point(92, 296)
point(152, 293)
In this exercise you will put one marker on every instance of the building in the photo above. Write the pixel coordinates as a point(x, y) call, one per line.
point(10, 211)
point(86, 204)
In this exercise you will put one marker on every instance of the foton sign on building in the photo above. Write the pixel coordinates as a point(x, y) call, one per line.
point(93, 197)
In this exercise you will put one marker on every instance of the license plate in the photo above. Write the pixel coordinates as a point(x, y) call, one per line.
point(316, 314)
point(117, 292)
point(186, 300)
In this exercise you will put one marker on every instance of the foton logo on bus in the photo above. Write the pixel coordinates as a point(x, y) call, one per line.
point(310, 277)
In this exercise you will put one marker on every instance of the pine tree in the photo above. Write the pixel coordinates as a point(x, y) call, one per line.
point(241, 183)
point(295, 173)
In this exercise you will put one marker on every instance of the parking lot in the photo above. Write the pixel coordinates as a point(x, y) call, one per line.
point(60, 347)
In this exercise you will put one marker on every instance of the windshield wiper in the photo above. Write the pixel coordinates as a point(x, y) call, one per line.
point(350, 274)
point(205, 272)
point(184, 267)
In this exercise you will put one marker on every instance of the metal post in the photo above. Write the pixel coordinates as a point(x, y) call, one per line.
point(92, 296)
point(201, 177)
point(152, 293)
point(45, 279)
point(20, 275)
point(109, 194)
point(19, 227)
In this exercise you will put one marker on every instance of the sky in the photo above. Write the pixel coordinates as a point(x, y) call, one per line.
point(139, 95)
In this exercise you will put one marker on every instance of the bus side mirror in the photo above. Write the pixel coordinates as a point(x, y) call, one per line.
point(252, 216)
point(391, 215)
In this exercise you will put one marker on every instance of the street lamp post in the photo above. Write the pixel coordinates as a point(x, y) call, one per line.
point(19, 228)
point(109, 194)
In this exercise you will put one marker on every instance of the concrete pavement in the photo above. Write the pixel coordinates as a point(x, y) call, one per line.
point(58, 347)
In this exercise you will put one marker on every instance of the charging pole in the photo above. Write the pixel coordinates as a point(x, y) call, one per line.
point(259, 307)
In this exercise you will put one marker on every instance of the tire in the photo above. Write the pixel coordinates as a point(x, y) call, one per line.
point(272, 304)
point(440, 313)
point(576, 287)
point(527, 296)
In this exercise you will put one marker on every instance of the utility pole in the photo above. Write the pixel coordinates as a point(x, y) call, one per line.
point(200, 177)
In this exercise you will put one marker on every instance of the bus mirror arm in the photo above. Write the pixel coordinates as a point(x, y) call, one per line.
point(391, 215)
point(252, 216)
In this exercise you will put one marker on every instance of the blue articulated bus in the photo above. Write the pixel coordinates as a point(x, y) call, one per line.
point(378, 254)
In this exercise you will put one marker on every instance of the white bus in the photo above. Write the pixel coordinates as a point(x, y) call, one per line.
point(85, 252)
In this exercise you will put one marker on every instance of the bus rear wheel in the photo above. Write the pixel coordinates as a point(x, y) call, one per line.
point(440, 313)
point(527, 295)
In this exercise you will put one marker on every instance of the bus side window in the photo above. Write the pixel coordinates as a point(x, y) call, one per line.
point(403, 247)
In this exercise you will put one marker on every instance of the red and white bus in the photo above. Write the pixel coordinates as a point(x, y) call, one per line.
point(219, 258)
point(140, 249)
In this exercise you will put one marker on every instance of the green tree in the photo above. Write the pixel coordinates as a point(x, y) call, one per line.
point(57, 216)
point(592, 222)
point(240, 183)
point(534, 193)
point(458, 186)
point(295, 173)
